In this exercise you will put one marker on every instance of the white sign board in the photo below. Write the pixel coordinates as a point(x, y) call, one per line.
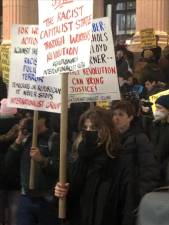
point(64, 36)
point(98, 82)
point(25, 89)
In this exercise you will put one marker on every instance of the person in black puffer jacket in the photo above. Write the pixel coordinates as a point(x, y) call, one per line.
point(137, 151)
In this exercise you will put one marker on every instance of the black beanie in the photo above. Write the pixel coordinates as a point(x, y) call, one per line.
point(163, 101)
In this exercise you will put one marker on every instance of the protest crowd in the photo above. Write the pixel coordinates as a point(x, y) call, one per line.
point(117, 158)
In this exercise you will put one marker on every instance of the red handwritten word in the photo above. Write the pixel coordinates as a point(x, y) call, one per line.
point(60, 3)
point(27, 102)
point(94, 80)
point(53, 105)
point(49, 21)
point(89, 81)
point(100, 70)
point(23, 30)
point(80, 37)
point(35, 30)
point(85, 21)
point(54, 43)
point(70, 13)
point(29, 41)
point(83, 89)
point(61, 52)
point(58, 29)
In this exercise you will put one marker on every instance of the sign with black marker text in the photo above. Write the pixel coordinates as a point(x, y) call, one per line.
point(25, 89)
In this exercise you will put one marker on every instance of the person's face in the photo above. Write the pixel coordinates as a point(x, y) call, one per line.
point(121, 42)
point(28, 115)
point(119, 55)
point(41, 125)
point(88, 126)
point(161, 113)
point(130, 80)
point(121, 81)
point(23, 126)
point(22, 123)
point(121, 119)
point(149, 85)
point(162, 109)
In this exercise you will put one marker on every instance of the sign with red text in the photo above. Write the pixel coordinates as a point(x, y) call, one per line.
point(64, 36)
point(25, 89)
point(98, 82)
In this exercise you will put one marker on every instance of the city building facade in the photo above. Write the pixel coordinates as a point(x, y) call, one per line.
point(128, 16)
point(123, 18)
point(152, 14)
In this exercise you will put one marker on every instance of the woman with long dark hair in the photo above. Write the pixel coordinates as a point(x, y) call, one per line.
point(99, 183)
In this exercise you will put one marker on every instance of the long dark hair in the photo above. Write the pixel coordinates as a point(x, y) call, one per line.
point(102, 122)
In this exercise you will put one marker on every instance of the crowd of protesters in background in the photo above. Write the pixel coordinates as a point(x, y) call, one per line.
point(115, 156)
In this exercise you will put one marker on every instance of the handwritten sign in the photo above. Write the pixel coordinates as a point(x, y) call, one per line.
point(153, 98)
point(5, 56)
point(98, 82)
point(25, 89)
point(148, 39)
point(64, 36)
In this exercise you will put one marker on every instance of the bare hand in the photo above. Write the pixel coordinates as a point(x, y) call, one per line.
point(20, 138)
point(61, 191)
point(36, 154)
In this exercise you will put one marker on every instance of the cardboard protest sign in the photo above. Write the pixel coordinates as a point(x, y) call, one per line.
point(153, 98)
point(4, 57)
point(25, 89)
point(64, 36)
point(148, 39)
point(98, 82)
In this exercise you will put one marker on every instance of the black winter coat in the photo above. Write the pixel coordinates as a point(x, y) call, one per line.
point(98, 192)
point(12, 180)
point(137, 151)
point(160, 139)
point(3, 89)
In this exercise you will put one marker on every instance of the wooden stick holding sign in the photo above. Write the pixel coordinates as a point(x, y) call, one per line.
point(34, 144)
point(63, 142)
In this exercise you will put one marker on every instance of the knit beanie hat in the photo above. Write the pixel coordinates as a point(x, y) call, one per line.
point(6, 111)
point(163, 101)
